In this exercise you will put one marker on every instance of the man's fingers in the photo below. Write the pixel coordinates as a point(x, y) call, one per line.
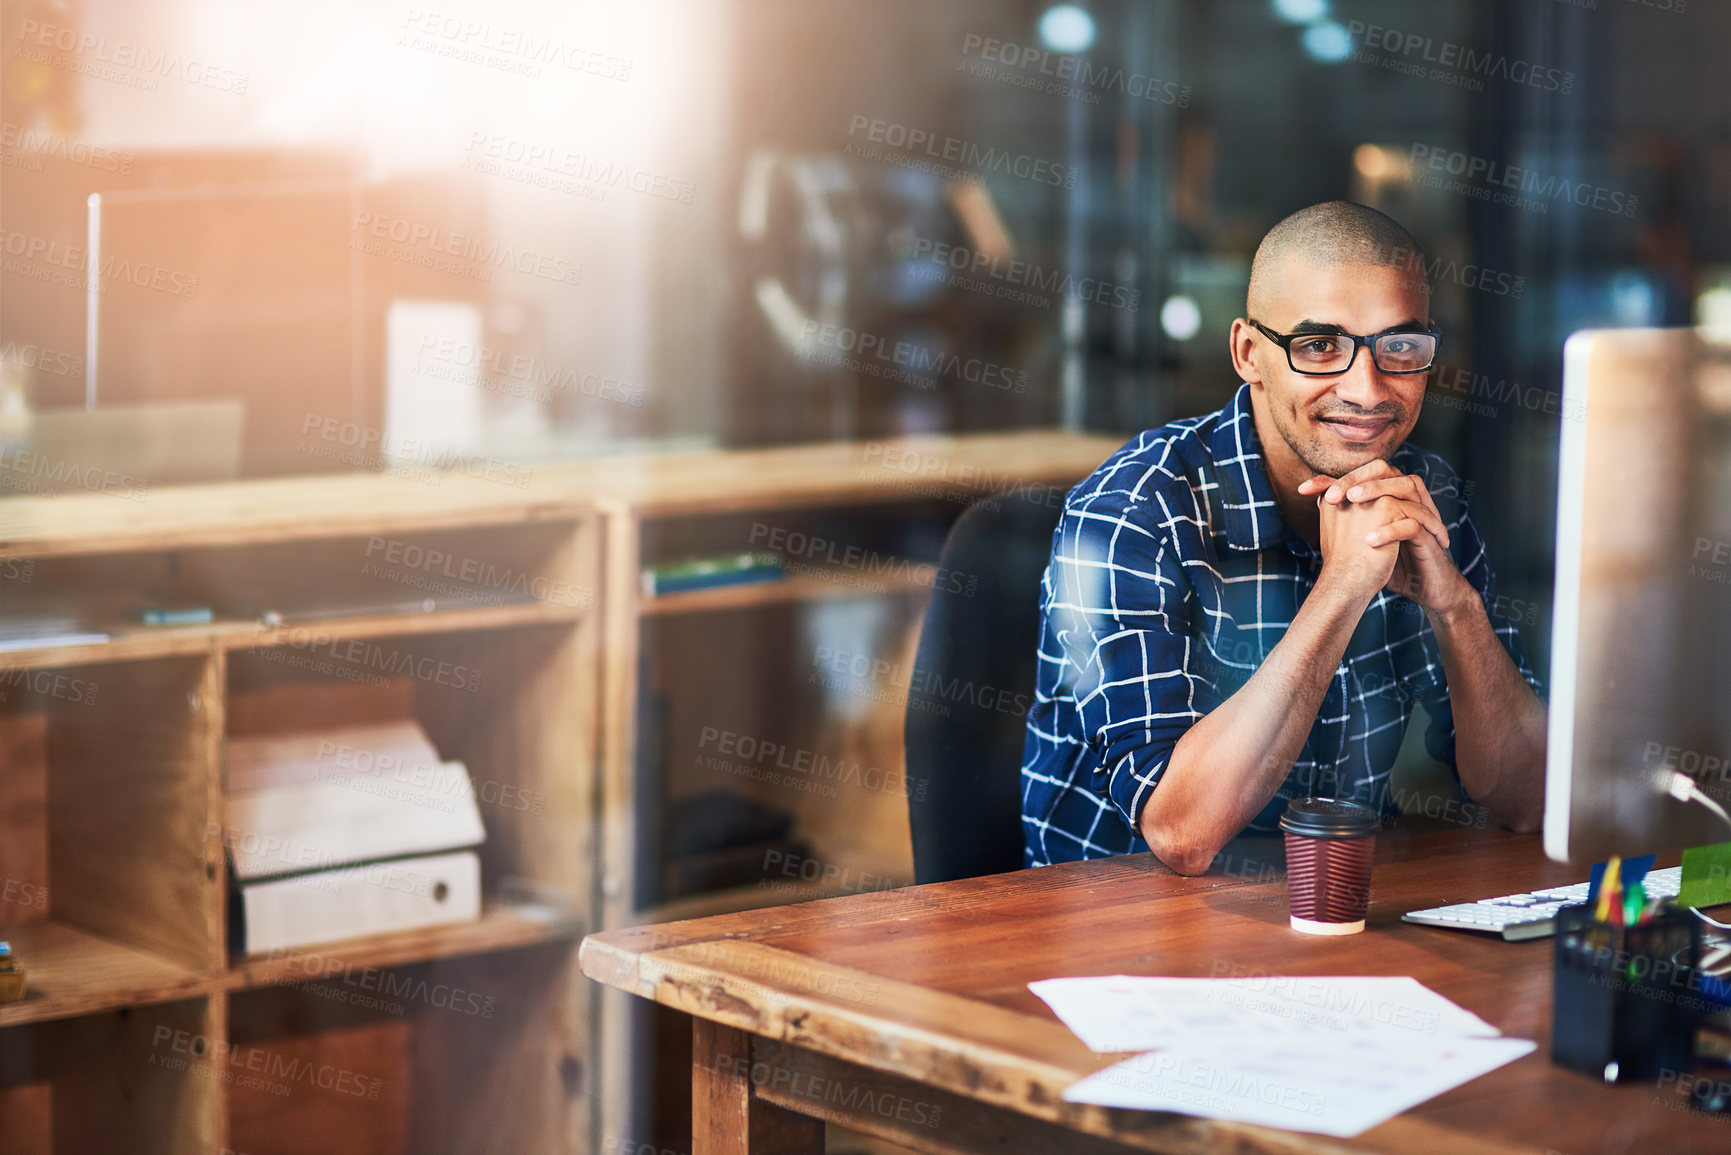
point(1315, 484)
point(1400, 485)
point(1405, 488)
point(1406, 529)
point(1369, 471)
point(1398, 507)
point(1424, 498)
point(1430, 503)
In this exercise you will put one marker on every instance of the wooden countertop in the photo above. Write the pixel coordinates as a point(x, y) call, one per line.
point(710, 481)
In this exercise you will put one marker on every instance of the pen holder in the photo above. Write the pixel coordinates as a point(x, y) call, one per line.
point(1627, 998)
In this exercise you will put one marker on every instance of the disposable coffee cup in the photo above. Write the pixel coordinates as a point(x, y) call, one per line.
point(1328, 849)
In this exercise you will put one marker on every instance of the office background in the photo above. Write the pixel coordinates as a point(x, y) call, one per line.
point(682, 190)
point(495, 241)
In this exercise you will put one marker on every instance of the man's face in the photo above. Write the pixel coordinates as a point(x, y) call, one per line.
point(1333, 424)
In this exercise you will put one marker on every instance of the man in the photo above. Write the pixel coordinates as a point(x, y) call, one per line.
point(1242, 608)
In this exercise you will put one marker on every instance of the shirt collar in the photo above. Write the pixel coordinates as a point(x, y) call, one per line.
point(1252, 517)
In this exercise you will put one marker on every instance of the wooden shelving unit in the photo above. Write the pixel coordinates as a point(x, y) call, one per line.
point(534, 666)
point(739, 660)
point(139, 1031)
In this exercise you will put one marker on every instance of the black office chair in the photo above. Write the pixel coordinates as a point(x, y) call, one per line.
point(967, 708)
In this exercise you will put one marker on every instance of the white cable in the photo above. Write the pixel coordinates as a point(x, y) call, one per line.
point(1714, 921)
point(1682, 787)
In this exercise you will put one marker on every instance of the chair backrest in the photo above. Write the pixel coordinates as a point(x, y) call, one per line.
point(968, 703)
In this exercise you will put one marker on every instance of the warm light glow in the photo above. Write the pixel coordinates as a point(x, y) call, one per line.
point(1376, 163)
point(1370, 161)
point(414, 87)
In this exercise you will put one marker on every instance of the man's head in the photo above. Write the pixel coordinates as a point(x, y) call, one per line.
point(1335, 267)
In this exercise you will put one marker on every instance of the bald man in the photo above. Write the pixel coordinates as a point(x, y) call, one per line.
point(1243, 608)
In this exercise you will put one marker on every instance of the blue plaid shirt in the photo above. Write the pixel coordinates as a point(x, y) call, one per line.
point(1173, 574)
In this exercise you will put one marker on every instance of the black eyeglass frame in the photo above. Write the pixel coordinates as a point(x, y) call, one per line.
point(1285, 340)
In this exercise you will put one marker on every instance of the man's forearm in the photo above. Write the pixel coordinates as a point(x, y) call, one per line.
point(1229, 764)
point(1499, 721)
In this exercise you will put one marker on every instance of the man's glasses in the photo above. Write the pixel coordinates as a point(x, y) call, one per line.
point(1324, 354)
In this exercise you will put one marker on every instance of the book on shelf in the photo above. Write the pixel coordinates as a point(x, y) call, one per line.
point(326, 798)
point(711, 572)
point(348, 831)
point(32, 633)
point(174, 615)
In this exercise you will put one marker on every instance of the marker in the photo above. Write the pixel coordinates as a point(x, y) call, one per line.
point(1634, 902)
point(1609, 882)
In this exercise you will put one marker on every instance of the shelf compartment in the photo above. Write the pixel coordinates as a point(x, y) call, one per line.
point(453, 1055)
point(868, 551)
point(109, 859)
point(71, 972)
point(339, 1085)
point(133, 807)
point(508, 703)
point(790, 740)
point(502, 926)
point(137, 1079)
point(394, 575)
point(391, 582)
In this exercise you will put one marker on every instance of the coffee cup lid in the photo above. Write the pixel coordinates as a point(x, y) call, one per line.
point(1329, 818)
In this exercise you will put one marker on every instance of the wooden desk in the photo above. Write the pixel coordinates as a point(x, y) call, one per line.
point(905, 1014)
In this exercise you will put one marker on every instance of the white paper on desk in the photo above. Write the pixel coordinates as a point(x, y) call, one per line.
point(1343, 1087)
point(1142, 1013)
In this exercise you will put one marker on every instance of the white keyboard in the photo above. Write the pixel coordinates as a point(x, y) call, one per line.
point(1523, 916)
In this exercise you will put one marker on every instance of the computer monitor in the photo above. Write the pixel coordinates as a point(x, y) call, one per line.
point(1641, 643)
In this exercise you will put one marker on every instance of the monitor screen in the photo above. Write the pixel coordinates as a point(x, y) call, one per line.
point(1641, 648)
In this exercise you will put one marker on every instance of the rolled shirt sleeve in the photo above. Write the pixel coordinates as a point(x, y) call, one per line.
point(1122, 598)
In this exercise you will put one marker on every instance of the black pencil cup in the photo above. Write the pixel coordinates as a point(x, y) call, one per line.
point(1627, 998)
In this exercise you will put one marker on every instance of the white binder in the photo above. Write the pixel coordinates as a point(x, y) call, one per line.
point(366, 899)
point(349, 832)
